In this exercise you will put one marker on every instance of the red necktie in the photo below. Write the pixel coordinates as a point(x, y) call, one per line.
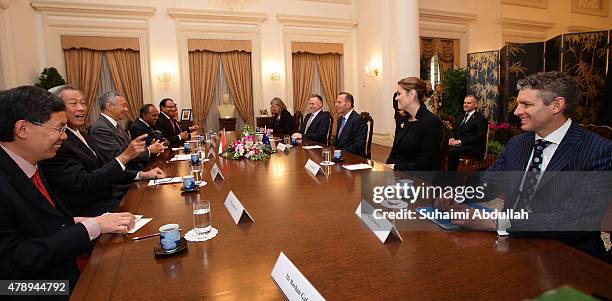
point(41, 187)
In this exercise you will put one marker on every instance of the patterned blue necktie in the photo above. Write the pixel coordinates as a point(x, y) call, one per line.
point(342, 122)
point(533, 174)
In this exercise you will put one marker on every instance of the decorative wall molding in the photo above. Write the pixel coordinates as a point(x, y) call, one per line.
point(347, 2)
point(527, 3)
point(315, 22)
point(231, 17)
point(449, 25)
point(440, 16)
point(201, 24)
point(581, 28)
point(67, 18)
point(590, 7)
point(7, 53)
point(96, 9)
point(516, 30)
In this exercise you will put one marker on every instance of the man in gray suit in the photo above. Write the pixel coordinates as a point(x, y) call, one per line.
point(109, 138)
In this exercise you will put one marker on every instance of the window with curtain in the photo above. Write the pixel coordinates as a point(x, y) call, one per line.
point(99, 64)
point(437, 56)
point(317, 68)
point(218, 67)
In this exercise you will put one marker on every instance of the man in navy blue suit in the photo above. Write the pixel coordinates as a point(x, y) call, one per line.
point(351, 129)
point(317, 123)
point(556, 171)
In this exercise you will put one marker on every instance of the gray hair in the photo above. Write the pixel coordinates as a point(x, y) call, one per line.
point(279, 102)
point(551, 85)
point(58, 90)
point(110, 96)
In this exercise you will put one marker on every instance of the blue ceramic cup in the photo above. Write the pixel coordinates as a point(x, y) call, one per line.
point(169, 236)
point(294, 141)
point(195, 159)
point(189, 182)
point(187, 147)
point(337, 154)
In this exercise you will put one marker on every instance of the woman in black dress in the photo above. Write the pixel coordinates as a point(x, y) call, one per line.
point(282, 123)
point(418, 137)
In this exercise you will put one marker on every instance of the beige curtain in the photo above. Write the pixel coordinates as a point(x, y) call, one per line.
point(446, 56)
point(329, 70)
point(203, 66)
point(303, 73)
point(446, 49)
point(237, 68)
point(83, 71)
point(125, 70)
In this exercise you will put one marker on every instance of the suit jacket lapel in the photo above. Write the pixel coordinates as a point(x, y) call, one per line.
point(567, 150)
point(24, 186)
point(116, 131)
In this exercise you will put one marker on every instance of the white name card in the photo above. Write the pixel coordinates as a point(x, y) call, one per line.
point(292, 282)
point(312, 167)
point(382, 228)
point(215, 172)
point(235, 208)
point(281, 147)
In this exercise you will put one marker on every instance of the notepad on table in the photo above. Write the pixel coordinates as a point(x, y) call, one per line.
point(140, 222)
point(359, 166)
point(181, 157)
point(165, 181)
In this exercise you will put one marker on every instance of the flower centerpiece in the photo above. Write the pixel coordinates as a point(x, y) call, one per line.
point(248, 146)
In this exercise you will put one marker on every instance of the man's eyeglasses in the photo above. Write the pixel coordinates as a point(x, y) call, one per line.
point(59, 130)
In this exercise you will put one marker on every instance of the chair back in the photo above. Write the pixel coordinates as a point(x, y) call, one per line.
point(446, 133)
point(602, 130)
point(297, 117)
point(484, 156)
point(328, 139)
point(370, 122)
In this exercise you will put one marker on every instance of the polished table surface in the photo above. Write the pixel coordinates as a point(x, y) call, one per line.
point(312, 220)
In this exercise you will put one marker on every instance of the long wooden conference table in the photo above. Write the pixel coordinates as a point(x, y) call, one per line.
point(313, 221)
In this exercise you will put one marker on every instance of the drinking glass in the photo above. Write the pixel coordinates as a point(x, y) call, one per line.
point(327, 156)
point(196, 172)
point(201, 217)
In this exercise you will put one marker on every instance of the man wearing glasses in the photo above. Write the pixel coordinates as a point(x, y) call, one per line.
point(169, 126)
point(39, 237)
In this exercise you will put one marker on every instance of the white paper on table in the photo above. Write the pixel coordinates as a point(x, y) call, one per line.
point(359, 166)
point(177, 148)
point(165, 181)
point(139, 223)
point(312, 147)
point(181, 157)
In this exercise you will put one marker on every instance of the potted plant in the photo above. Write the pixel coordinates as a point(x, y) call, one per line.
point(50, 78)
point(455, 90)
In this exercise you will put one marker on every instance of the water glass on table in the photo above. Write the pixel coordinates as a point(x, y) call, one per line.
point(196, 172)
point(202, 217)
point(327, 156)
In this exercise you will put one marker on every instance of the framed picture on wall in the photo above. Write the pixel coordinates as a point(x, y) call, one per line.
point(186, 115)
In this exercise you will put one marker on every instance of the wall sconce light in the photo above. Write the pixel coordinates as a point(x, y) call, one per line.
point(163, 77)
point(274, 76)
point(371, 70)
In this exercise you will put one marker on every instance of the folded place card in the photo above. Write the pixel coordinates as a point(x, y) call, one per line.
point(165, 181)
point(292, 282)
point(281, 147)
point(381, 227)
point(181, 157)
point(236, 209)
point(359, 166)
point(312, 167)
point(216, 172)
point(312, 147)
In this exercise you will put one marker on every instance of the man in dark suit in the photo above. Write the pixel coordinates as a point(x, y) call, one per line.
point(145, 124)
point(109, 138)
point(470, 135)
point(39, 237)
point(77, 174)
point(168, 125)
point(558, 172)
point(351, 128)
point(316, 124)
